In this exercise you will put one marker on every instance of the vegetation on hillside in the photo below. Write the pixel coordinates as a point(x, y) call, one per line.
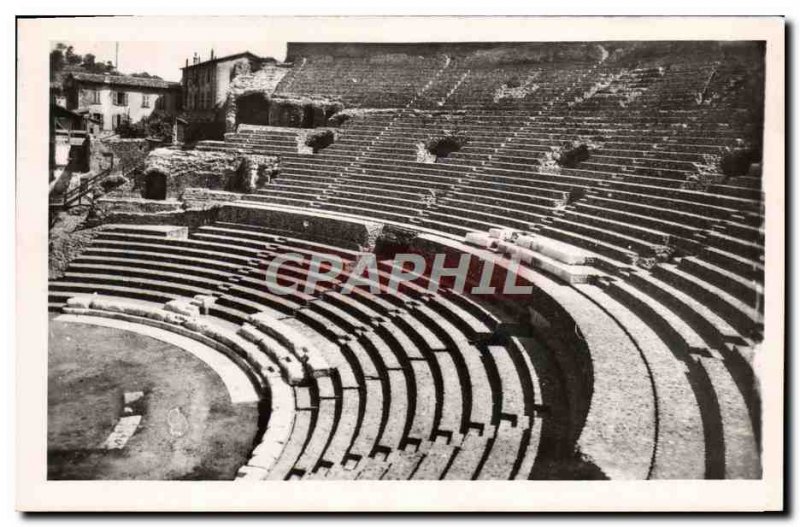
point(157, 125)
point(64, 58)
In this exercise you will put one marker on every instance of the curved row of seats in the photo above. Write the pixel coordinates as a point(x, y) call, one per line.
point(696, 368)
point(417, 379)
point(361, 82)
point(414, 444)
point(652, 357)
point(653, 135)
point(420, 195)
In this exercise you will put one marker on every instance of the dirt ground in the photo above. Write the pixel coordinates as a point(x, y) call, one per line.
point(189, 428)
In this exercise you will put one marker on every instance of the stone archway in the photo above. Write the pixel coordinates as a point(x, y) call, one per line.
point(252, 108)
point(155, 185)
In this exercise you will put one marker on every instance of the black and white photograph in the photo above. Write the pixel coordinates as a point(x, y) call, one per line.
point(324, 256)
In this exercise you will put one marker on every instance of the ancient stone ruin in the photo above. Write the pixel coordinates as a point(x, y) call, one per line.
point(580, 242)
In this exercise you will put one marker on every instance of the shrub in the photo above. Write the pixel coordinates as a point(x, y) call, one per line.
point(111, 182)
point(338, 119)
point(393, 241)
point(128, 130)
point(444, 145)
point(319, 139)
point(736, 161)
point(570, 157)
point(575, 194)
point(157, 125)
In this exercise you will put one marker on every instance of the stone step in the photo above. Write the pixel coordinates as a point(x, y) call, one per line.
point(748, 291)
point(744, 318)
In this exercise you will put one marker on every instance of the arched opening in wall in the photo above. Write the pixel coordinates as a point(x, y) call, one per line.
point(252, 109)
point(155, 185)
point(291, 115)
point(308, 116)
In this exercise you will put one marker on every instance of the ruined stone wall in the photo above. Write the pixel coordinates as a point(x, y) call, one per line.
point(108, 205)
point(281, 111)
point(246, 82)
point(127, 153)
point(354, 234)
point(206, 170)
point(224, 76)
point(192, 168)
point(201, 197)
point(189, 217)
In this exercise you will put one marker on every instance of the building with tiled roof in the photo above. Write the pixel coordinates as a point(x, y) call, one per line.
point(113, 99)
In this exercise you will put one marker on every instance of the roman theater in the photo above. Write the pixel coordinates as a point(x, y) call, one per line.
point(617, 184)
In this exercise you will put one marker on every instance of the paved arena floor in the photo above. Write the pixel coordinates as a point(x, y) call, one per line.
point(126, 406)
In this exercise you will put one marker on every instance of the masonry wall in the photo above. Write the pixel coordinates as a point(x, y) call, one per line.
point(350, 233)
point(127, 153)
point(295, 50)
point(193, 168)
point(223, 79)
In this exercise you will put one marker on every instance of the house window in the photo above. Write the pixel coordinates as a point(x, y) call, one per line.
point(145, 100)
point(117, 120)
point(120, 98)
point(99, 118)
point(94, 96)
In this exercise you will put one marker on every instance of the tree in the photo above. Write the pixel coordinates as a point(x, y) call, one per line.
point(157, 125)
point(62, 56)
point(145, 75)
point(57, 61)
point(128, 130)
point(72, 58)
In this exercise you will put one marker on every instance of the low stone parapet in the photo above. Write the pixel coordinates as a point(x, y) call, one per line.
point(349, 232)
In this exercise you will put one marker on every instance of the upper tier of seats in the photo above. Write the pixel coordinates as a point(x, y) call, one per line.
point(359, 82)
point(649, 192)
point(682, 243)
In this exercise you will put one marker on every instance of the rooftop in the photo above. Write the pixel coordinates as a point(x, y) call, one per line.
point(60, 111)
point(123, 80)
point(228, 57)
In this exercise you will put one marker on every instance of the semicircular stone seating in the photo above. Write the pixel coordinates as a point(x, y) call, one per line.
point(630, 359)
